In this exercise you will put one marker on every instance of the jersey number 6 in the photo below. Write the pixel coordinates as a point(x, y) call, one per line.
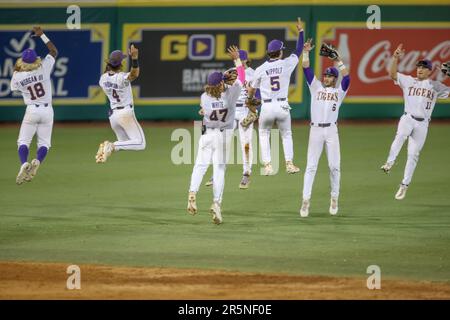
point(214, 116)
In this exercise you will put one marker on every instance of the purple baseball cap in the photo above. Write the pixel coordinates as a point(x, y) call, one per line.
point(29, 56)
point(243, 55)
point(332, 71)
point(215, 78)
point(425, 63)
point(275, 45)
point(116, 57)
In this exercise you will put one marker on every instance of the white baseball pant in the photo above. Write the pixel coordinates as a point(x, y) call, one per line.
point(279, 113)
point(318, 138)
point(130, 135)
point(39, 121)
point(245, 139)
point(213, 148)
point(416, 133)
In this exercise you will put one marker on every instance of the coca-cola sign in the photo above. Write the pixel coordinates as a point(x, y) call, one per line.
point(368, 54)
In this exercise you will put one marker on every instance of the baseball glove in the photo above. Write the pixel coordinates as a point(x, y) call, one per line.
point(249, 119)
point(445, 68)
point(230, 76)
point(327, 50)
point(252, 116)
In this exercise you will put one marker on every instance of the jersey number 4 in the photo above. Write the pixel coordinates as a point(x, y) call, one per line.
point(222, 112)
point(115, 95)
point(38, 91)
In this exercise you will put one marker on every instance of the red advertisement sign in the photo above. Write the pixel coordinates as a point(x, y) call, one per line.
point(368, 54)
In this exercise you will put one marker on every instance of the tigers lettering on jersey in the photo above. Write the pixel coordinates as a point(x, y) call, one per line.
point(423, 92)
point(327, 96)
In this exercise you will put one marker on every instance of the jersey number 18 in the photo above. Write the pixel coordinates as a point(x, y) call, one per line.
point(38, 91)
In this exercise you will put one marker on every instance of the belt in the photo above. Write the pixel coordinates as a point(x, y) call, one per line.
point(110, 111)
point(321, 125)
point(278, 99)
point(415, 118)
point(41, 105)
point(239, 104)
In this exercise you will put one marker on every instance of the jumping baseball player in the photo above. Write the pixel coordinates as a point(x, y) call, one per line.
point(326, 100)
point(117, 87)
point(32, 78)
point(245, 132)
point(272, 78)
point(420, 95)
point(218, 105)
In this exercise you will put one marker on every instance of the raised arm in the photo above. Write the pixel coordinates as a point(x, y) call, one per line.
point(393, 67)
point(233, 52)
point(38, 32)
point(307, 47)
point(300, 40)
point(134, 71)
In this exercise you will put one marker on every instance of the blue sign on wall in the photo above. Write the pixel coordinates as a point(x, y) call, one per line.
point(78, 66)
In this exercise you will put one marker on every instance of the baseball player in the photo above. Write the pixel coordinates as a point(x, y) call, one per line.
point(218, 105)
point(272, 78)
point(245, 133)
point(32, 78)
point(117, 87)
point(420, 95)
point(326, 100)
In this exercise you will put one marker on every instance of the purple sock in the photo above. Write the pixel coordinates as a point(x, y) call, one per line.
point(41, 153)
point(23, 153)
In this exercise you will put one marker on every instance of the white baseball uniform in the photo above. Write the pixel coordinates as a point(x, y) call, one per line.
point(420, 98)
point(219, 117)
point(123, 121)
point(245, 134)
point(325, 104)
point(36, 89)
point(272, 78)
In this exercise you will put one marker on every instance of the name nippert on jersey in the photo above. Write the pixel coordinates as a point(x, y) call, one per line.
point(274, 71)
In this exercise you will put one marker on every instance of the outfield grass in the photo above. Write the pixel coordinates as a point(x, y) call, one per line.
point(131, 211)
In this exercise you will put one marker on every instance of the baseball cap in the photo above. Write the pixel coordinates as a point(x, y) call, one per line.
point(425, 63)
point(29, 56)
point(275, 45)
point(215, 78)
point(116, 57)
point(331, 71)
point(243, 55)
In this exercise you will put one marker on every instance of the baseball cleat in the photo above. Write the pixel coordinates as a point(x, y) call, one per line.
point(245, 181)
point(291, 168)
point(98, 156)
point(216, 213)
point(401, 193)
point(108, 148)
point(333, 206)
point(23, 176)
point(387, 167)
point(192, 205)
point(33, 168)
point(209, 183)
point(304, 210)
point(268, 170)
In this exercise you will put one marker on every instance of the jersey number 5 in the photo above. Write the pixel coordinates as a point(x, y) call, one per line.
point(275, 83)
point(38, 91)
point(115, 95)
point(214, 116)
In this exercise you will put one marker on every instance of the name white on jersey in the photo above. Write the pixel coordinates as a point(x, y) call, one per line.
point(117, 88)
point(420, 96)
point(325, 102)
point(220, 113)
point(273, 77)
point(36, 85)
